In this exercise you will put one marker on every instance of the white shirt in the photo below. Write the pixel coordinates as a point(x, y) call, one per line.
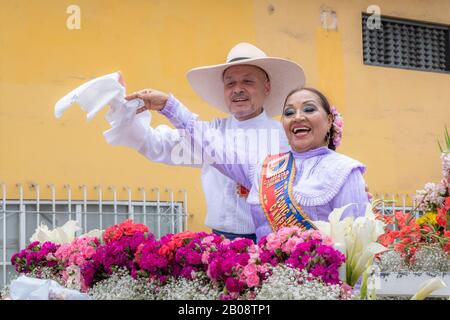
point(226, 210)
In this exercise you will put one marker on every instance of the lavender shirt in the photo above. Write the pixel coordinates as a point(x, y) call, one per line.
point(324, 179)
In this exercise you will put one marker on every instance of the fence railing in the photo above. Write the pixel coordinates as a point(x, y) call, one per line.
point(20, 217)
point(396, 202)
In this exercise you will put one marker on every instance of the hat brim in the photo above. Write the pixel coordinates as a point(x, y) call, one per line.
point(284, 76)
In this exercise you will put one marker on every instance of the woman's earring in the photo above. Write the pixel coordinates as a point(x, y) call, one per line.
point(328, 137)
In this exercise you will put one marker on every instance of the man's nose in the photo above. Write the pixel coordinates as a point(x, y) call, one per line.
point(238, 89)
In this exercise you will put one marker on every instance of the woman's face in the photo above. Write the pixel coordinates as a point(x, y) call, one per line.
point(305, 121)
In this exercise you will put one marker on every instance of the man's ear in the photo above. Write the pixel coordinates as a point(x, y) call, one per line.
point(267, 87)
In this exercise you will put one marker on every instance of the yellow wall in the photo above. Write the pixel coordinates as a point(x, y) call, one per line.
point(392, 116)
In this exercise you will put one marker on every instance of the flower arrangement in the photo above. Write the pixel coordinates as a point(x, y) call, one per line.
point(112, 256)
point(418, 241)
point(187, 262)
point(407, 233)
point(308, 250)
point(36, 256)
point(72, 257)
point(126, 228)
point(230, 267)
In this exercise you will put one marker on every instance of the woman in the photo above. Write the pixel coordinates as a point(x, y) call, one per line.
point(293, 188)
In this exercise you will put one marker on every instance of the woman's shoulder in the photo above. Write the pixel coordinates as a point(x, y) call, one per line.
point(335, 160)
point(326, 178)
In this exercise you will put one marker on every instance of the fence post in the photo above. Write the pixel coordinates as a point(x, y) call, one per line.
point(36, 187)
point(79, 217)
point(113, 189)
point(52, 188)
point(130, 206)
point(144, 204)
point(22, 219)
point(69, 200)
point(100, 205)
point(158, 211)
point(184, 213)
point(84, 226)
point(172, 209)
point(4, 231)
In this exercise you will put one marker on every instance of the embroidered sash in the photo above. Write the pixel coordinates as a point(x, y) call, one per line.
point(276, 197)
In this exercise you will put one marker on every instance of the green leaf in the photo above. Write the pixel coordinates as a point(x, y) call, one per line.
point(447, 138)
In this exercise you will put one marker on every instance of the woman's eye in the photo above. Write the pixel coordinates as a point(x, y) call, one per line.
point(309, 109)
point(289, 112)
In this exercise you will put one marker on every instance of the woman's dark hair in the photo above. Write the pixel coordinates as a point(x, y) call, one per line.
point(325, 105)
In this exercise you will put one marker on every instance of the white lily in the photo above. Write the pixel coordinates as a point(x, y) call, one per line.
point(60, 235)
point(356, 238)
point(428, 287)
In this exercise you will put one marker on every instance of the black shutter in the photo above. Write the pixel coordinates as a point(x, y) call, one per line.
point(406, 44)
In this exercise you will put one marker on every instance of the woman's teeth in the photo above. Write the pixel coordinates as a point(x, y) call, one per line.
point(298, 130)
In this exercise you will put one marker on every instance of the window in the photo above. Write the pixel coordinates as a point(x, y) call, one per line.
point(406, 44)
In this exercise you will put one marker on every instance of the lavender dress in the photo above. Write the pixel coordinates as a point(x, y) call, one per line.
point(324, 179)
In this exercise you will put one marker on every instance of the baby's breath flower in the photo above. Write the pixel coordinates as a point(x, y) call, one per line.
point(427, 259)
point(291, 284)
point(199, 288)
point(121, 286)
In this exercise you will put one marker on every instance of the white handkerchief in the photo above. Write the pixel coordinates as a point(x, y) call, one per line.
point(26, 288)
point(95, 94)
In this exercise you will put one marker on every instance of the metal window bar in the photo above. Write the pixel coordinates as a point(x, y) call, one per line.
point(406, 44)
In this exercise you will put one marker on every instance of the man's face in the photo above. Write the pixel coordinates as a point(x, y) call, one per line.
point(245, 89)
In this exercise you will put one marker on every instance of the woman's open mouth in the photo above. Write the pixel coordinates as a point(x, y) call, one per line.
point(300, 131)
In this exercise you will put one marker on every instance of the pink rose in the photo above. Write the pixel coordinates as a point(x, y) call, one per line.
point(271, 237)
point(327, 241)
point(274, 244)
point(89, 252)
point(252, 280)
point(291, 244)
point(208, 240)
point(253, 249)
point(250, 269)
point(205, 257)
point(316, 235)
point(79, 260)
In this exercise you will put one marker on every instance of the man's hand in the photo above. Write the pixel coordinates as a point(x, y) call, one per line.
point(153, 99)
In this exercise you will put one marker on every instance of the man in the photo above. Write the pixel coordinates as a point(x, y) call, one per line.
point(251, 87)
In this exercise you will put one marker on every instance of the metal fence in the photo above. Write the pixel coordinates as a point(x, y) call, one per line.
point(20, 217)
point(392, 202)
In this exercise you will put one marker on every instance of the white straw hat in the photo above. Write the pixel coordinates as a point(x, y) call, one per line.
point(284, 76)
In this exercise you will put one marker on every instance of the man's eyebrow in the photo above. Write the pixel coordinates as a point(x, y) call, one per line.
point(244, 75)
